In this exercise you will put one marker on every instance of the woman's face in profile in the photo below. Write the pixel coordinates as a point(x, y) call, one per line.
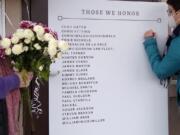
point(175, 14)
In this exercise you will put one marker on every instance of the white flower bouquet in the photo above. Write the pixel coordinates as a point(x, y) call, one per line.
point(33, 47)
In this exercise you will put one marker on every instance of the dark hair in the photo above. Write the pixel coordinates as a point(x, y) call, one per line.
point(175, 4)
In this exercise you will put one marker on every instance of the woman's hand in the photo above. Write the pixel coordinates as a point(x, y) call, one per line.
point(25, 82)
point(149, 33)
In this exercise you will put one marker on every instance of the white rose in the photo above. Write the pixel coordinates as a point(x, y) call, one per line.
point(41, 68)
point(33, 39)
point(17, 49)
point(48, 37)
point(27, 41)
point(8, 51)
point(19, 33)
point(25, 48)
point(28, 34)
point(45, 52)
point(5, 43)
point(37, 46)
point(63, 45)
point(39, 30)
point(59, 55)
point(52, 50)
point(53, 43)
point(15, 39)
point(52, 47)
point(41, 38)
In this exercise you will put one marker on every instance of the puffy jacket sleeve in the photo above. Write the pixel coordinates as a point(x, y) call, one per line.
point(169, 64)
point(7, 84)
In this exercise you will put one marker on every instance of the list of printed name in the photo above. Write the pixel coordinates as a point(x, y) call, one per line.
point(78, 83)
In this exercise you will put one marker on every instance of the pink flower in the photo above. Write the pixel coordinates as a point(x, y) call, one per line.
point(46, 30)
point(53, 33)
point(9, 36)
point(56, 35)
point(26, 24)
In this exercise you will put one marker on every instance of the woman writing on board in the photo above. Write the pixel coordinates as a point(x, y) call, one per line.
point(169, 65)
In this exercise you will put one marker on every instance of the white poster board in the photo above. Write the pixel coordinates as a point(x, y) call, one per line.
point(106, 85)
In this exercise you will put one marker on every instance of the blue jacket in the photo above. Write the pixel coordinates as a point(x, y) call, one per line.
point(168, 65)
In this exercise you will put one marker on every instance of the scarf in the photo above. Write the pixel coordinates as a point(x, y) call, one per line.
point(175, 33)
point(12, 101)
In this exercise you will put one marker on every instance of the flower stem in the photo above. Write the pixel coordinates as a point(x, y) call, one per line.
point(28, 124)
